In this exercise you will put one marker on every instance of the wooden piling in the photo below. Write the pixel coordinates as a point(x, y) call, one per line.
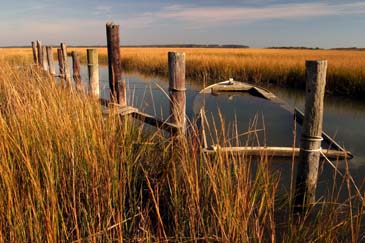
point(93, 68)
point(34, 48)
point(176, 73)
point(311, 138)
point(76, 70)
point(117, 88)
point(50, 60)
point(45, 60)
point(40, 53)
point(66, 67)
point(61, 65)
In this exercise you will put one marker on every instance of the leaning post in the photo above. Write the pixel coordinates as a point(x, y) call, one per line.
point(93, 68)
point(311, 138)
point(50, 60)
point(45, 60)
point(117, 87)
point(176, 73)
point(76, 70)
point(34, 49)
point(66, 68)
point(40, 53)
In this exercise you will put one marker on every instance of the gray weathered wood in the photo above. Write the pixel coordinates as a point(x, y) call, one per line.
point(50, 60)
point(117, 88)
point(61, 67)
point(66, 66)
point(45, 60)
point(34, 49)
point(311, 138)
point(76, 70)
point(93, 69)
point(40, 53)
point(176, 72)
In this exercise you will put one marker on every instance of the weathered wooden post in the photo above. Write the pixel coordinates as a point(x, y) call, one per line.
point(40, 53)
point(50, 60)
point(45, 60)
point(93, 68)
point(34, 48)
point(176, 66)
point(61, 65)
point(66, 68)
point(311, 138)
point(117, 88)
point(76, 70)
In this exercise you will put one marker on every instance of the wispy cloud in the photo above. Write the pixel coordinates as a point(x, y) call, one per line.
point(217, 14)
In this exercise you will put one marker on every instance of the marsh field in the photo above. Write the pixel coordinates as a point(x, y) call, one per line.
point(68, 173)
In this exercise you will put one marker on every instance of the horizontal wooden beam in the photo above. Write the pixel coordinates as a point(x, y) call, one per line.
point(286, 152)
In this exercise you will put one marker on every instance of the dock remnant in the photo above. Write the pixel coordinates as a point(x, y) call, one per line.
point(45, 60)
point(34, 49)
point(76, 70)
point(176, 73)
point(117, 88)
point(40, 53)
point(93, 69)
point(50, 61)
point(66, 66)
point(61, 66)
point(311, 138)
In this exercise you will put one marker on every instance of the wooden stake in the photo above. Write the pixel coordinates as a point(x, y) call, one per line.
point(76, 70)
point(40, 53)
point(50, 60)
point(93, 68)
point(45, 60)
point(34, 48)
point(61, 65)
point(311, 138)
point(66, 68)
point(117, 88)
point(176, 66)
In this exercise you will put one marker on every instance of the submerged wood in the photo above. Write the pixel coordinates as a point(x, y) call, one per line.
point(285, 152)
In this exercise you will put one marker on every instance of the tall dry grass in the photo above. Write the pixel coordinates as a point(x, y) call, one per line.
point(68, 173)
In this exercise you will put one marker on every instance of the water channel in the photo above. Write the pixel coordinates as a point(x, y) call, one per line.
point(343, 118)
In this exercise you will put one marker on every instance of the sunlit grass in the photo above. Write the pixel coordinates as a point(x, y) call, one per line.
point(68, 173)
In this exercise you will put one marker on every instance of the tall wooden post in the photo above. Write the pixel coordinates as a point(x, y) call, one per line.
point(61, 65)
point(34, 49)
point(93, 68)
point(311, 138)
point(176, 66)
point(45, 60)
point(40, 53)
point(66, 67)
point(76, 70)
point(50, 60)
point(117, 88)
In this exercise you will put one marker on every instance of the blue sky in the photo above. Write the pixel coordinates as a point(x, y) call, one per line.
point(259, 23)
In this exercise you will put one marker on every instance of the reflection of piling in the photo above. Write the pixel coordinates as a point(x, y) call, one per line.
point(117, 88)
point(61, 65)
point(66, 68)
point(40, 53)
point(50, 60)
point(76, 70)
point(93, 68)
point(176, 69)
point(310, 147)
point(45, 60)
point(34, 49)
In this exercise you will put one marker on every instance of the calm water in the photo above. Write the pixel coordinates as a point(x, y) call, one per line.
point(343, 119)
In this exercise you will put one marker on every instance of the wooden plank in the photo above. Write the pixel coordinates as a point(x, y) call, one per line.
point(151, 120)
point(123, 111)
point(284, 152)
